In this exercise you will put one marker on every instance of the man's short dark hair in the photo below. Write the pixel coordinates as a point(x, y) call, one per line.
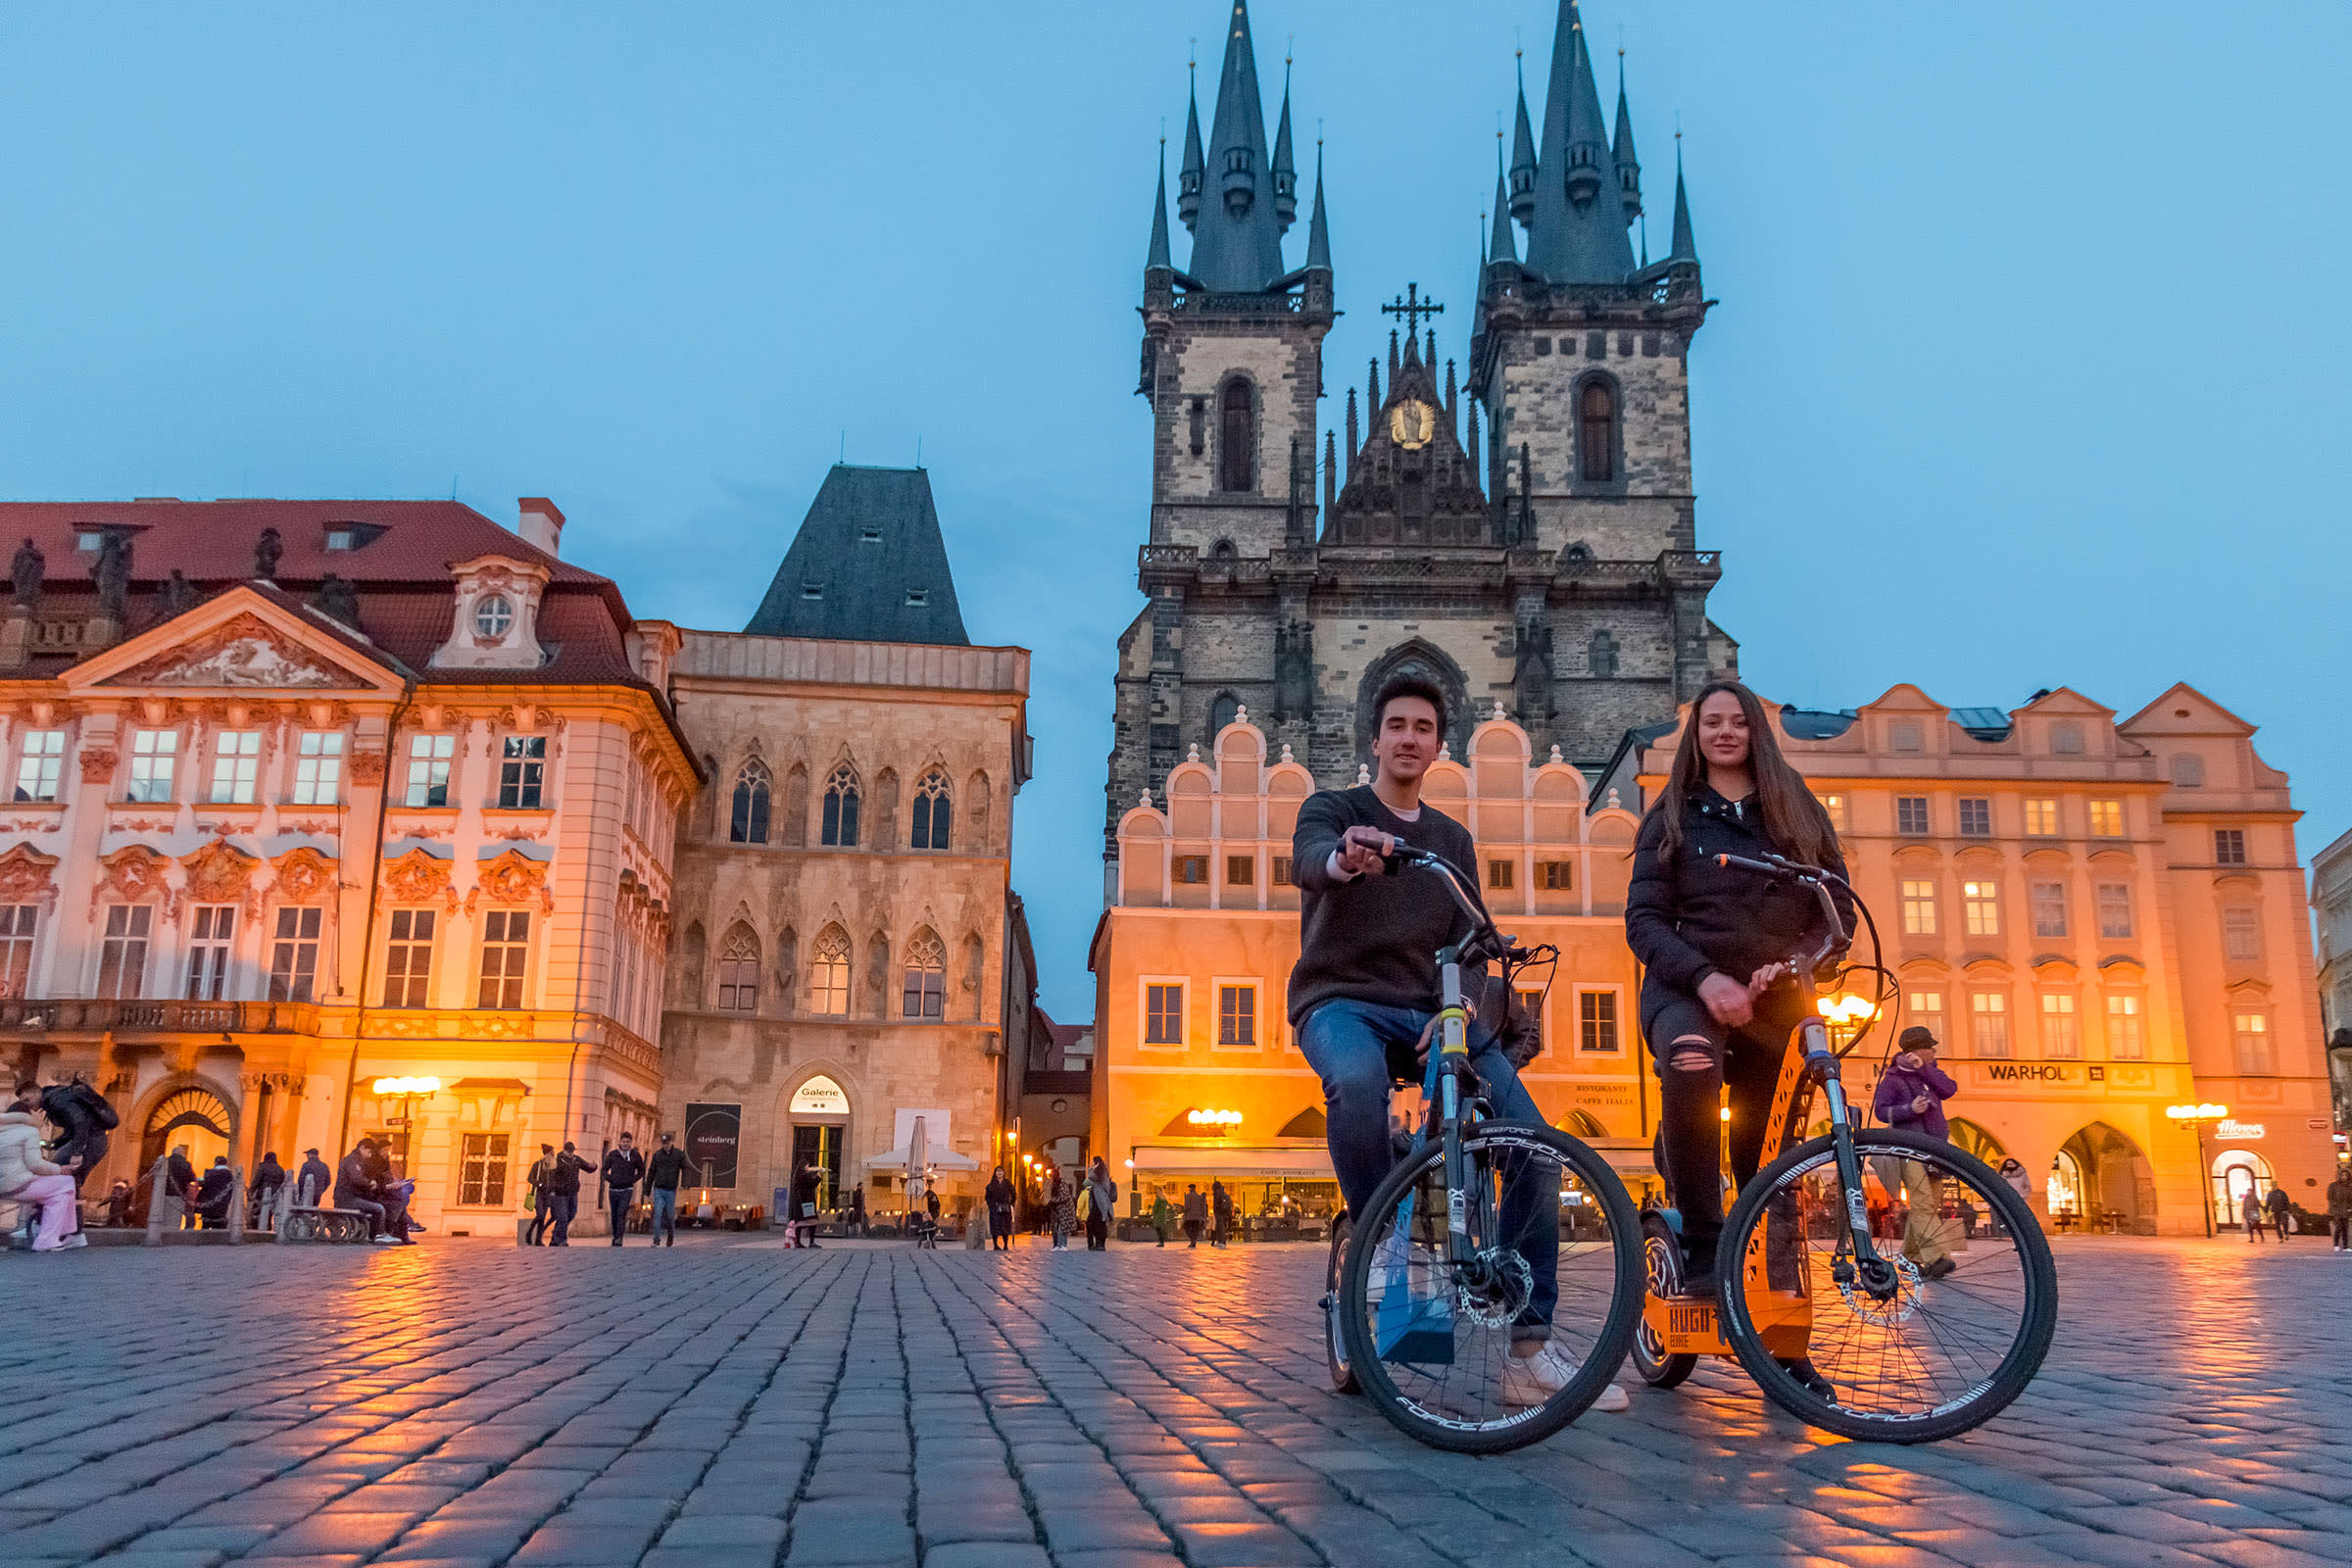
point(1396, 686)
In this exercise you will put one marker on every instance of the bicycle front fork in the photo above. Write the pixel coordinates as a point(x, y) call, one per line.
point(1865, 1268)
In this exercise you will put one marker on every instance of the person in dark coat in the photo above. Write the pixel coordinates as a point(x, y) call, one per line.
point(1063, 1204)
point(1911, 1096)
point(1101, 1202)
point(999, 1196)
point(211, 1206)
point(354, 1189)
point(312, 1180)
point(268, 1180)
point(857, 1209)
point(562, 1196)
point(2340, 1209)
point(1221, 1211)
point(807, 1181)
point(1195, 1214)
point(179, 1182)
point(541, 1177)
point(82, 1117)
point(662, 1173)
point(2279, 1206)
point(623, 1169)
point(393, 1193)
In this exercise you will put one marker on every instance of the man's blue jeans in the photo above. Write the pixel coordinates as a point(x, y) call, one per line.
point(561, 1207)
point(665, 1213)
point(1354, 1046)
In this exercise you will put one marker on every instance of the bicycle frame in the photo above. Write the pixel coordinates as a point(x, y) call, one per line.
point(1450, 1054)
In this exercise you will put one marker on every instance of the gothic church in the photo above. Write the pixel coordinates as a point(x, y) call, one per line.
point(1536, 548)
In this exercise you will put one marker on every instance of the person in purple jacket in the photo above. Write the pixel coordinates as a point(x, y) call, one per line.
point(1911, 1094)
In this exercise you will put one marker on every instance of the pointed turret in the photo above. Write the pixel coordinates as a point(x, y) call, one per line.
point(1501, 245)
point(1575, 237)
point(1523, 162)
point(1318, 229)
point(1686, 247)
point(1286, 173)
point(1236, 243)
point(1587, 133)
point(1188, 184)
point(1629, 167)
point(1156, 260)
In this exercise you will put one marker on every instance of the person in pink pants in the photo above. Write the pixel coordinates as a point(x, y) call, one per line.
point(27, 1176)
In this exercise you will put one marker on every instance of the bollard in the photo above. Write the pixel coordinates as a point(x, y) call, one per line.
point(236, 1205)
point(155, 1202)
point(285, 1205)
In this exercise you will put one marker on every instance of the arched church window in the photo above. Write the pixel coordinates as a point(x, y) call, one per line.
point(1222, 713)
point(1222, 549)
point(739, 972)
point(829, 973)
point(1602, 655)
point(749, 824)
point(934, 810)
point(1596, 431)
point(926, 989)
point(841, 808)
point(1237, 458)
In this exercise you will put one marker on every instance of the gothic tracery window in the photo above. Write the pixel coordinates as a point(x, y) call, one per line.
point(1237, 458)
point(841, 808)
point(926, 989)
point(934, 811)
point(1602, 655)
point(829, 973)
point(1596, 431)
point(749, 822)
point(739, 972)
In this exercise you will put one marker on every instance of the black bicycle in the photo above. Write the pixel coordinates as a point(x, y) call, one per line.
point(1460, 1244)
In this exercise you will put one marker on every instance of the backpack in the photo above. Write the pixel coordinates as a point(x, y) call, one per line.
point(100, 1111)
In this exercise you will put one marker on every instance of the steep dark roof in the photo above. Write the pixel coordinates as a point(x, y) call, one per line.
point(1816, 723)
point(869, 546)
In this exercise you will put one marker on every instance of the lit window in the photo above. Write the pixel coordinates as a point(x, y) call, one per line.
point(1982, 902)
point(2106, 819)
point(1834, 805)
point(236, 765)
point(1976, 816)
point(1192, 868)
point(2058, 1036)
point(934, 812)
point(506, 953)
point(1241, 870)
point(2229, 846)
point(2115, 909)
point(1555, 876)
point(829, 974)
point(925, 995)
point(1919, 908)
point(210, 938)
point(1989, 1024)
point(522, 769)
point(408, 959)
point(483, 1170)
point(39, 762)
point(122, 953)
point(1498, 875)
point(492, 614)
point(739, 973)
point(1164, 1015)
point(1596, 1021)
point(2123, 1029)
point(318, 768)
point(841, 809)
point(2049, 909)
point(294, 955)
point(2242, 936)
point(154, 753)
point(2042, 820)
point(1926, 1008)
point(429, 770)
point(1237, 1015)
point(2252, 1033)
point(1911, 816)
point(18, 922)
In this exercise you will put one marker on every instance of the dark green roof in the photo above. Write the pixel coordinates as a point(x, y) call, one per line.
point(868, 564)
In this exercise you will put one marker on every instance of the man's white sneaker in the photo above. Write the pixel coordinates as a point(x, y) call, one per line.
point(1533, 1379)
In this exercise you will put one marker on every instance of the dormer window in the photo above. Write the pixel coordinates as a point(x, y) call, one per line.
point(493, 616)
point(89, 539)
point(918, 598)
point(871, 536)
point(339, 539)
point(812, 590)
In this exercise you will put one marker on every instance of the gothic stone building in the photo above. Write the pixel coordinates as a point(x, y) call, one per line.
point(1538, 547)
point(850, 955)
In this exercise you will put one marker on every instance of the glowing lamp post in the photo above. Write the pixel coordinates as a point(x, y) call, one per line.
point(1845, 1016)
point(2194, 1117)
point(408, 1090)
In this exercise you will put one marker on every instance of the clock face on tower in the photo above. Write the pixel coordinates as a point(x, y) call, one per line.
point(1411, 425)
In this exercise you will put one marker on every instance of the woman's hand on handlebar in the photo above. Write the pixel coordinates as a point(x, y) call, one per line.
point(1729, 1003)
point(1363, 850)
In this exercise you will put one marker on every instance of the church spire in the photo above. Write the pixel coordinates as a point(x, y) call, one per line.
point(1236, 243)
point(1188, 184)
point(1286, 173)
point(1686, 249)
point(1629, 167)
point(1523, 156)
point(1503, 245)
point(1156, 260)
point(1318, 230)
point(1575, 237)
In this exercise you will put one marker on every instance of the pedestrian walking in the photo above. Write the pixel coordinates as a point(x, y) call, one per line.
point(31, 1178)
point(662, 1173)
point(806, 1179)
point(2281, 1211)
point(541, 1180)
point(1911, 1096)
point(561, 1195)
point(1220, 1210)
point(2249, 1211)
point(1163, 1214)
point(2340, 1209)
point(623, 1169)
point(1195, 1214)
point(354, 1189)
point(180, 1185)
point(857, 1209)
point(1102, 1195)
point(211, 1206)
point(1062, 1206)
point(999, 1197)
point(2020, 1182)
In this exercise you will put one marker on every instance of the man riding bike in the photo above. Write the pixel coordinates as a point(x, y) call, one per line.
point(1716, 1007)
point(1361, 997)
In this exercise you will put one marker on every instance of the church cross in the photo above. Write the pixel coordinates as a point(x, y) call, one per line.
point(1412, 306)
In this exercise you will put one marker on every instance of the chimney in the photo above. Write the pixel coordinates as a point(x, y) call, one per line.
point(542, 525)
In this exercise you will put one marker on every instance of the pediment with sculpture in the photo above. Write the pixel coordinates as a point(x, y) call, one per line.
point(244, 652)
point(417, 877)
point(25, 876)
point(512, 878)
point(220, 872)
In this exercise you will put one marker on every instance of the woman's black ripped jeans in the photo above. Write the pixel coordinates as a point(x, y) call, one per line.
point(1697, 1057)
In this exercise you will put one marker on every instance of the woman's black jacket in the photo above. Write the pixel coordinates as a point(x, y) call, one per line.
point(1686, 918)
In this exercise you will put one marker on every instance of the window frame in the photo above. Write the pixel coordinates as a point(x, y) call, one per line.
point(498, 1164)
point(1980, 907)
point(1144, 986)
point(154, 766)
point(736, 993)
point(522, 773)
point(2106, 819)
point(2106, 905)
point(236, 767)
point(1555, 876)
point(2042, 817)
point(1917, 895)
point(1582, 423)
point(932, 985)
point(821, 958)
point(402, 946)
point(1907, 810)
point(1974, 819)
point(1501, 874)
point(2253, 1024)
point(1239, 985)
point(845, 795)
point(2230, 846)
point(1615, 996)
point(317, 768)
point(1227, 459)
point(751, 804)
point(19, 931)
point(214, 982)
point(295, 940)
point(124, 953)
point(40, 766)
point(514, 974)
point(931, 813)
point(1246, 864)
point(2241, 920)
point(2045, 904)
point(2135, 1009)
point(2057, 1005)
point(432, 759)
point(1984, 1005)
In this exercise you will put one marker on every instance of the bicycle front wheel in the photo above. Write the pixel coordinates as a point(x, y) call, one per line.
point(1552, 1248)
point(1941, 1344)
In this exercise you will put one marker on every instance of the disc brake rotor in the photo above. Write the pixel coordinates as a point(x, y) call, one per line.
point(1508, 1287)
point(1895, 1308)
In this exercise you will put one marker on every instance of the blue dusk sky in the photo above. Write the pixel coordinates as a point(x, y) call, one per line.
point(2029, 368)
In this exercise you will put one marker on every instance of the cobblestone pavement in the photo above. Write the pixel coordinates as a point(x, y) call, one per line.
point(728, 1402)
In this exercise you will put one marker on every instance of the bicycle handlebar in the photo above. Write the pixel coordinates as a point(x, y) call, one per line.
point(1782, 869)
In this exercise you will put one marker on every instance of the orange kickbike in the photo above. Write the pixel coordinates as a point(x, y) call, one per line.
point(1907, 1339)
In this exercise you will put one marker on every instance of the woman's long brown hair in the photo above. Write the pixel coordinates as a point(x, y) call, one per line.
point(1793, 818)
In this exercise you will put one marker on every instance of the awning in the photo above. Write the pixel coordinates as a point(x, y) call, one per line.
point(937, 1159)
point(1630, 1158)
point(1314, 1163)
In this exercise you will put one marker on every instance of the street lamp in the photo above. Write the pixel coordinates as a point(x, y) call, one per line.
point(408, 1090)
point(2194, 1117)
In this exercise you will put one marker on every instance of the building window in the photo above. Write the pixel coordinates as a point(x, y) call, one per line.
point(1976, 816)
point(2042, 820)
point(1834, 806)
point(934, 812)
point(1926, 1011)
point(2252, 1033)
point(522, 770)
point(2066, 739)
point(1919, 908)
point(1163, 1015)
point(1237, 465)
point(1282, 872)
point(506, 952)
point(2229, 846)
point(294, 955)
point(1596, 1021)
point(2242, 936)
point(2189, 771)
point(1600, 656)
point(1498, 875)
point(1227, 709)
point(1982, 902)
point(1555, 876)
point(926, 989)
point(429, 770)
point(841, 809)
point(408, 959)
point(18, 922)
point(483, 1170)
point(2115, 909)
point(493, 615)
point(2106, 819)
point(123, 952)
point(1989, 1024)
point(1530, 1003)
point(237, 765)
point(739, 973)
point(1237, 1015)
point(1241, 870)
point(1904, 735)
point(2049, 909)
point(318, 768)
point(749, 822)
point(829, 973)
point(1192, 868)
point(2123, 1042)
point(1911, 816)
point(154, 754)
point(1596, 431)
point(38, 765)
point(210, 935)
point(2058, 1038)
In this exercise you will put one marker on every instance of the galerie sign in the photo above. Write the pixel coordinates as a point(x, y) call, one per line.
point(820, 1097)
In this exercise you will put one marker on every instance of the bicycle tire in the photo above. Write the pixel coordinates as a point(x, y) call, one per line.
point(1609, 1342)
point(1987, 1396)
point(1334, 1346)
point(1661, 1275)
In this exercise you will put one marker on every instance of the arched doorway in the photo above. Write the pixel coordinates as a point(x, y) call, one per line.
point(2237, 1172)
point(191, 1114)
point(816, 1121)
point(2108, 1178)
point(2066, 1188)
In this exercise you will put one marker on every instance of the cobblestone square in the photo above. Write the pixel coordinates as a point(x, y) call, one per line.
point(728, 1402)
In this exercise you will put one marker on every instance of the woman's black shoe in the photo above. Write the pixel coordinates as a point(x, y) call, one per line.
point(1805, 1372)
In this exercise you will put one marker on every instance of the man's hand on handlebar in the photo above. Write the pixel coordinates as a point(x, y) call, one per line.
point(1363, 850)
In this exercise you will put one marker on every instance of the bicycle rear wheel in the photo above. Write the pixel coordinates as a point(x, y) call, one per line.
point(1428, 1341)
point(1958, 1332)
point(1334, 1338)
point(1662, 1268)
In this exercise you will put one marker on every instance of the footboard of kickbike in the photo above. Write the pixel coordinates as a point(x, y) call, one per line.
point(1687, 1326)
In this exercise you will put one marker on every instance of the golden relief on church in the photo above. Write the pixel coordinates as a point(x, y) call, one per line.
point(1412, 424)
